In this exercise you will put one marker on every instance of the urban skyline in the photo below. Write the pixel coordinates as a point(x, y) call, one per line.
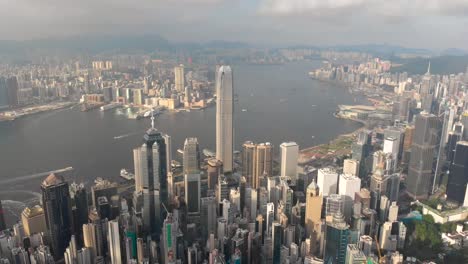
point(394, 190)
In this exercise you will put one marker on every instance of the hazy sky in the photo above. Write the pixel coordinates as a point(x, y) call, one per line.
point(435, 24)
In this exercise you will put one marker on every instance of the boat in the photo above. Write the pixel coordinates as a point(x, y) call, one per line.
point(109, 106)
point(244, 110)
point(208, 153)
point(127, 175)
point(180, 151)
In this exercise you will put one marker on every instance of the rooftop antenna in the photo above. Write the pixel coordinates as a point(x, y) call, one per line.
point(152, 118)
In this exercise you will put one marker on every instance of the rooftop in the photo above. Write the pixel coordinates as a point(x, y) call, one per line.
point(53, 179)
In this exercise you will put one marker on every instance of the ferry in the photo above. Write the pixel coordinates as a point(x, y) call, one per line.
point(208, 153)
point(244, 110)
point(127, 175)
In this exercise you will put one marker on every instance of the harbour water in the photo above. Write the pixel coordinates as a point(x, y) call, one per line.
point(276, 103)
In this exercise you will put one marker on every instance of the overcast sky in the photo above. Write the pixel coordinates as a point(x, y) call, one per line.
point(435, 24)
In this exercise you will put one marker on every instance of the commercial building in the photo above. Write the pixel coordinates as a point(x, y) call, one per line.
point(289, 157)
point(224, 117)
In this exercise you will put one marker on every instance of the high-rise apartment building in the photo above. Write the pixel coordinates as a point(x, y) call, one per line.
point(224, 117)
point(179, 78)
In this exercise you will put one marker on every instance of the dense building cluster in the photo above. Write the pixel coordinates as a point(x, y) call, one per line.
point(254, 208)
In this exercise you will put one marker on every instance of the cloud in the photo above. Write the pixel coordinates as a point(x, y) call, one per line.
point(376, 7)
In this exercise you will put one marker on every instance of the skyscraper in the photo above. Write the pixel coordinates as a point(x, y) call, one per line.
point(313, 214)
point(179, 78)
point(337, 240)
point(3, 93)
point(458, 175)
point(289, 156)
point(191, 156)
point(12, 91)
point(58, 213)
point(113, 238)
point(263, 162)
point(224, 117)
point(151, 178)
point(327, 181)
point(248, 162)
point(2, 218)
point(169, 239)
point(33, 220)
point(422, 155)
point(192, 192)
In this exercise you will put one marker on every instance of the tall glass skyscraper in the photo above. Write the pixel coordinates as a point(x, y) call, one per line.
point(458, 177)
point(58, 213)
point(224, 121)
point(336, 240)
point(151, 179)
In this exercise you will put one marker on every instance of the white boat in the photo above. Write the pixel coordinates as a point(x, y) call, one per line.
point(244, 110)
point(109, 106)
point(127, 175)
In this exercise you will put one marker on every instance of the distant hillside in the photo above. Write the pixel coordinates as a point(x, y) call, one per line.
point(86, 44)
point(439, 65)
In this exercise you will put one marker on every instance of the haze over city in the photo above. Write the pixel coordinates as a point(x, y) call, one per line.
point(233, 132)
point(434, 24)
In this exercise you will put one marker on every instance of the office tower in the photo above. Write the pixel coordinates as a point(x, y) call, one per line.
point(113, 238)
point(464, 121)
point(387, 241)
point(223, 189)
point(170, 181)
point(103, 188)
point(71, 252)
point(58, 213)
point(313, 214)
point(337, 240)
point(327, 181)
point(224, 117)
point(79, 198)
point(289, 157)
point(349, 185)
point(19, 256)
point(90, 238)
point(191, 156)
point(277, 237)
point(458, 173)
point(365, 244)
point(208, 216)
point(422, 155)
point(169, 239)
point(263, 161)
point(2, 218)
point(334, 203)
point(354, 255)
point(397, 132)
point(248, 162)
point(360, 150)
point(83, 256)
point(179, 80)
point(3, 93)
point(12, 91)
point(33, 220)
point(393, 187)
point(393, 212)
point(453, 138)
point(351, 167)
point(192, 192)
point(103, 208)
point(151, 177)
point(392, 147)
point(215, 169)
